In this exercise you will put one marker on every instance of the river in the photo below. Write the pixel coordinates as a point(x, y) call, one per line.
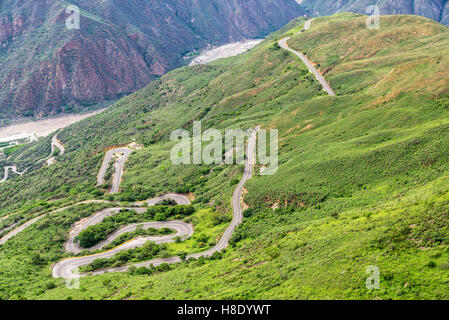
point(40, 128)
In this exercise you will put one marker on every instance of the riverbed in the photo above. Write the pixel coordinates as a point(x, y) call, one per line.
point(40, 128)
point(226, 51)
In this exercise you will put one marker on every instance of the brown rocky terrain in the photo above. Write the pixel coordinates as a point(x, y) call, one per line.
point(121, 46)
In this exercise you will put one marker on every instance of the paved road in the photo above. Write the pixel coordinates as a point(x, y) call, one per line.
point(178, 198)
point(284, 45)
point(50, 160)
point(65, 268)
point(66, 272)
point(13, 169)
point(236, 199)
point(182, 229)
point(34, 220)
point(55, 143)
point(118, 167)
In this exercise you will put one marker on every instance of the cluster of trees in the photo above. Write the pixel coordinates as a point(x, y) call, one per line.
point(141, 271)
point(161, 213)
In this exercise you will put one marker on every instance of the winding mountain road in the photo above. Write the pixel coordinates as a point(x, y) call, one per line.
point(119, 164)
point(182, 229)
point(36, 219)
point(55, 143)
point(65, 268)
point(283, 43)
point(13, 169)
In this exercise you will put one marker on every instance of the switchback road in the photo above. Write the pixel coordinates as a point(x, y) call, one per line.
point(13, 169)
point(65, 268)
point(119, 164)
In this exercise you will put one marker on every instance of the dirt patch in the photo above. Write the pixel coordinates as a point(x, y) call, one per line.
point(242, 201)
point(308, 127)
point(41, 128)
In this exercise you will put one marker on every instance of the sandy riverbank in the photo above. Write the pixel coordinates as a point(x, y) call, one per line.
point(226, 51)
point(40, 128)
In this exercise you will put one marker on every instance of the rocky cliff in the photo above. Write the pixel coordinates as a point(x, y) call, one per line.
point(120, 47)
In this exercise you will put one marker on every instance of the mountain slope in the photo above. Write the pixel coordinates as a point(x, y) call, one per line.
point(121, 46)
point(437, 10)
point(362, 176)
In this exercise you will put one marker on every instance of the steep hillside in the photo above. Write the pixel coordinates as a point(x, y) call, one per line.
point(121, 46)
point(437, 10)
point(362, 176)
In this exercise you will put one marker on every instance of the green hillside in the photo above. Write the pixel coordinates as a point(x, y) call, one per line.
point(362, 178)
point(437, 10)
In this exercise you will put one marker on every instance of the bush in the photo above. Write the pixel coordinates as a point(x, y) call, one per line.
point(248, 213)
point(234, 182)
point(183, 256)
point(50, 285)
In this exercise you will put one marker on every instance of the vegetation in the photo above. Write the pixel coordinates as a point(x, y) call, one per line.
point(362, 176)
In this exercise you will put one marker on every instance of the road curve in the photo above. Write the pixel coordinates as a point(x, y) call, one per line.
point(65, 268)
point(34, 220)
point(178, 198)
point(50, 160)
point(55, 143)
point(182, 229)
point(224, 240)
point(118, 167)
point(13, 169)
point(283, 43)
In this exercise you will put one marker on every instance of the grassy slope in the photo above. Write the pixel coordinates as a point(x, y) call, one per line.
point(362, 176)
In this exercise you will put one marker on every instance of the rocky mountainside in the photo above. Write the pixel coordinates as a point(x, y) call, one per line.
point(121, 46)
point(437, 10)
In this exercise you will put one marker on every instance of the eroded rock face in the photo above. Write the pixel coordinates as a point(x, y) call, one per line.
point(121, 46)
